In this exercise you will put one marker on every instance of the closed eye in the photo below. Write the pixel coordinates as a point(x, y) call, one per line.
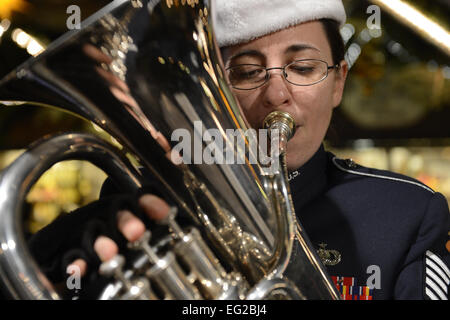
point(246, 73)
point(250, 74)
point(304, 70)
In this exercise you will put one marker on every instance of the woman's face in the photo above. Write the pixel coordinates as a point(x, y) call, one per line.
point(310, 106)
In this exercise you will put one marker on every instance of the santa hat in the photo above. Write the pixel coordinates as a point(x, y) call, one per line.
point(240, 21)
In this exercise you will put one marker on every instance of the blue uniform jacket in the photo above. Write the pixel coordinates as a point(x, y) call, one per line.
point(384, 234)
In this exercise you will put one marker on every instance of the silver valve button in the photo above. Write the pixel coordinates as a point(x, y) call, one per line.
point(113, 268)
point(143, 244)
point(170, 221)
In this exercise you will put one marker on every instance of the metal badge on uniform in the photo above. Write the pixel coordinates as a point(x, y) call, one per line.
point(292, 175)
point(328, 257)
point(351, 164)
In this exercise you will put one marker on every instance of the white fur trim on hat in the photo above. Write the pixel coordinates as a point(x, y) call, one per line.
point(240, 21)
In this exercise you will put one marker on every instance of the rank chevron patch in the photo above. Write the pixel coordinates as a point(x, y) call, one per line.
point(437, 277)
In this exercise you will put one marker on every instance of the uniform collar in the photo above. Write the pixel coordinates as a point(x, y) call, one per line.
point(310, 180)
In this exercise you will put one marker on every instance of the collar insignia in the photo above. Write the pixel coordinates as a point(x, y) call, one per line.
point(328, 257)
point(292, 175)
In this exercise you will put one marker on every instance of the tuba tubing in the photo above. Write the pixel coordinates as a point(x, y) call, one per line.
point(18, 271)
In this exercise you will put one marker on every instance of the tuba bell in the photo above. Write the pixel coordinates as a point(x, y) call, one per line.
point(142, 69)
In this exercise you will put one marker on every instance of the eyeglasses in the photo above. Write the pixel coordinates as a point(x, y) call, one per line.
point(305, 72)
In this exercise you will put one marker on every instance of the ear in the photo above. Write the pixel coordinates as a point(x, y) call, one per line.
point(341, 76)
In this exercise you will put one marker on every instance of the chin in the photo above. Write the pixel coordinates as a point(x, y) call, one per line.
point(294, 161)
point(299, 152)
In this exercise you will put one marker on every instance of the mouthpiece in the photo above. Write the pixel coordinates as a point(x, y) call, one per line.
point(284, 123)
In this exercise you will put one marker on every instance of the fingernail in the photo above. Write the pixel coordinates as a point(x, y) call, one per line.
point(105, 248)
point(130, 226)
point(155, 207)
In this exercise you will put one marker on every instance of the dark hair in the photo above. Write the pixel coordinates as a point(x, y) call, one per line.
point(337, 46)
point(335, 39)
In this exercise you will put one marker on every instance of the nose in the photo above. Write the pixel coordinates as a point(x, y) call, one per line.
point(276, 92)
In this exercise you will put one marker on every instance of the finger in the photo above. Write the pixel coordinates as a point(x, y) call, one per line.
point(155, 207)
point(105, 248)
point(78, 266)
point(96, 54)
point(130, 226)
point(112, 79)
point(124, 97)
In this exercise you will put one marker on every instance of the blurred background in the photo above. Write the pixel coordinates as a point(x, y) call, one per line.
point(395, 114)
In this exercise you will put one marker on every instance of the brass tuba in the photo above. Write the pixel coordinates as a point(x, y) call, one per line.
point(141, 69)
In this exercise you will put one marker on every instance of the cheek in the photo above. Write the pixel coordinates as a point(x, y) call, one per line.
point(314, 107)
point(313, 102)
point(244, 99)
point(249, 104)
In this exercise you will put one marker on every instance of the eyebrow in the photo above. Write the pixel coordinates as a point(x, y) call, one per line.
point(299, 47)
point(252, 53)
point(291, 49)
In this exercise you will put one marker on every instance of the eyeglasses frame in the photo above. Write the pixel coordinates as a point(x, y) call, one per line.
point(336, 66)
